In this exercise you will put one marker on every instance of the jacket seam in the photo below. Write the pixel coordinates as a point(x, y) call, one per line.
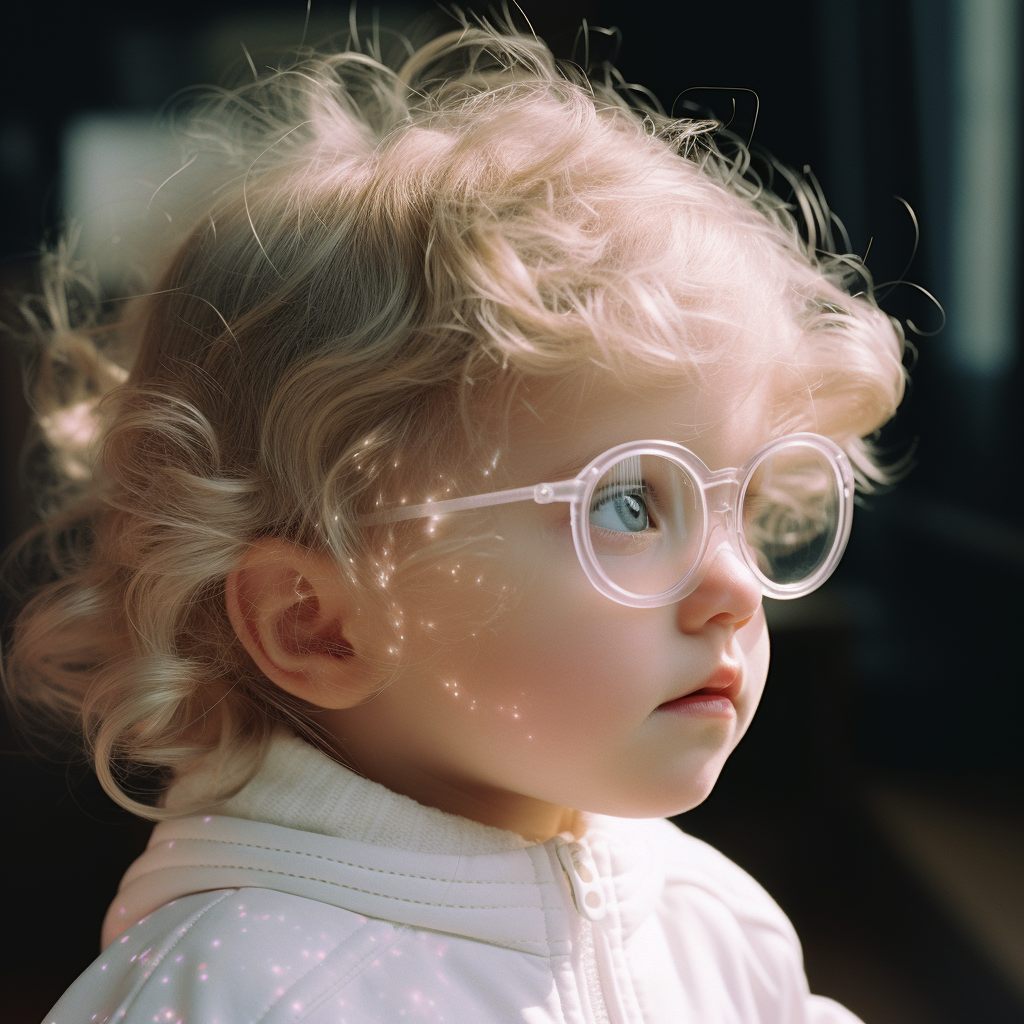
point(556, 976)
point(182, 932)
point(334, 860)
point(777, 922)
point(351, 888)
point(398, 929)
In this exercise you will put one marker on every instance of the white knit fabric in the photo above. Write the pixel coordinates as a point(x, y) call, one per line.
point(300, 787)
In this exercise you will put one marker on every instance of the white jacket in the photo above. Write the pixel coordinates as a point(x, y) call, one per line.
point(318, 896)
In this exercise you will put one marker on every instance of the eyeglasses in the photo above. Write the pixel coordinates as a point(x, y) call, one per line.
point(642, 516)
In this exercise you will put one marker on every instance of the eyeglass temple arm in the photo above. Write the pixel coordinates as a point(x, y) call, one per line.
point(563, 490)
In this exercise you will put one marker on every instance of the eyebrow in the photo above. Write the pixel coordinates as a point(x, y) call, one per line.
point(572, 466)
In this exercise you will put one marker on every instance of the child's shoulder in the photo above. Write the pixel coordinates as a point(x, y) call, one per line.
point(237, 952)
point(729, 941)
point(703, 890)
point(691, 861)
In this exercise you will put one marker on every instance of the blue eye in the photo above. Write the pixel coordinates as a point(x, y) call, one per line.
point(622, 512)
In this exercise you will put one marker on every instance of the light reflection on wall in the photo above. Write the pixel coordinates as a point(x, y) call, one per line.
point(984, 135)
point(113, 167)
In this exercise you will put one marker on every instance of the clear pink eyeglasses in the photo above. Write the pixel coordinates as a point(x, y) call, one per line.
point(643, 514)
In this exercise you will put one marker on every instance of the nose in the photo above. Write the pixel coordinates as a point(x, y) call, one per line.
point(728, 594)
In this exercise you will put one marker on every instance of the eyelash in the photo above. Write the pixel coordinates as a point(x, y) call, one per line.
point(641, 490)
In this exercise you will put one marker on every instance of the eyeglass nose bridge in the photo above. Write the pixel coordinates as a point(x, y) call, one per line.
point(721, 497)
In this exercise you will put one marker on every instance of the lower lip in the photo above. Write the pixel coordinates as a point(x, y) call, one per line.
point(700, 705)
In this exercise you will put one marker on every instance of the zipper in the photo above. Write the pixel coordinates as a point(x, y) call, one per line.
point(596, 955)
point(579, 868)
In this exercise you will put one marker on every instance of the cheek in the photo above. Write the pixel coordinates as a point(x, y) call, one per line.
point(445, 590)
point(526, 644)
point(752, 641)
point(576, 666)
point(511, 633)
point(496, 578)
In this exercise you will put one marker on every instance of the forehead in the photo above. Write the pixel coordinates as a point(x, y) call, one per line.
point(721, 414)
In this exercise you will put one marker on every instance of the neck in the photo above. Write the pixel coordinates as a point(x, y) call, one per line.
point(535, 820)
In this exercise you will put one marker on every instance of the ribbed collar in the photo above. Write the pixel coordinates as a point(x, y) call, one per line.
point(298, 786)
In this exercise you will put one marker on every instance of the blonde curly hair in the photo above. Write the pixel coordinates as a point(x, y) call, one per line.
point(389, 254)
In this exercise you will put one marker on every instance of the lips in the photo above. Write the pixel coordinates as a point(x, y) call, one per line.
point(721, 686)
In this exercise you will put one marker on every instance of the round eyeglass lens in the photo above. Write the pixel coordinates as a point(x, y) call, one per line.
point(791, 513)
point(645, 524)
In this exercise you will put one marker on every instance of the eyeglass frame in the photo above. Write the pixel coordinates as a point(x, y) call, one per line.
point(580, 489)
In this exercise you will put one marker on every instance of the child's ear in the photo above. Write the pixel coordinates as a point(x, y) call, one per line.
point(297, 616)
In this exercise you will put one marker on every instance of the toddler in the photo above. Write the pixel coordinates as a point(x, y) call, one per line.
point(421, 567)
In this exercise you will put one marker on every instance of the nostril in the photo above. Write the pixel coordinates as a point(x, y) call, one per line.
point(728, 619)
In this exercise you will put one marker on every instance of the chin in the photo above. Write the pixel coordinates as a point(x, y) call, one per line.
point(698, 787)
point(695, 801)
point(667, 802)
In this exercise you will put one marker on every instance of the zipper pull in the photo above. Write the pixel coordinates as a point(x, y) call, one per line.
point(581, 871)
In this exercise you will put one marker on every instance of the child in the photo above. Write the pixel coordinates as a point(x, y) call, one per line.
point(423, 564)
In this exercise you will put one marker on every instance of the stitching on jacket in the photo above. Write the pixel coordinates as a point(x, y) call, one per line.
point(769, 916)
point(398, 931)
point(342, 885)
point(333, 860)
point(183, 930)
point(542, 884)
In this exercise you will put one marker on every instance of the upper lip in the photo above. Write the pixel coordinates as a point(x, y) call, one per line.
point(725, 680)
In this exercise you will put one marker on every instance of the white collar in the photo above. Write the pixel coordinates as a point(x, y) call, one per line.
point(298, 786)
point(307, 826)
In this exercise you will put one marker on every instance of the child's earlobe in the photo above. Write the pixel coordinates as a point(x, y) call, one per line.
point(293, 612)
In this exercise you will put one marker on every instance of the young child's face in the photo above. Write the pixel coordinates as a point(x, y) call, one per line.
point(522, 693)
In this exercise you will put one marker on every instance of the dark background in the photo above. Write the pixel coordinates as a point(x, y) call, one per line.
point(878, 794)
